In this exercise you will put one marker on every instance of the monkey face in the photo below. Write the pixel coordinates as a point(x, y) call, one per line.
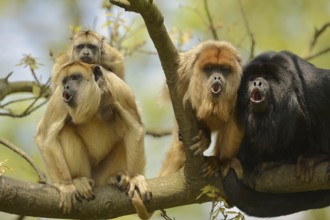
point(259, 90)
point(70, 87)
point(216, 79)
point(87, 52)
point(86, 47)
point(80, 88)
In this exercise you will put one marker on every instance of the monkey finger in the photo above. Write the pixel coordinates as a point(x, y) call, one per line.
point(131, 192)
point(124, 182)
point(198, 137)
point(196, 149)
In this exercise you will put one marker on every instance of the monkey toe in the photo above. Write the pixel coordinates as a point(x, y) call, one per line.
point(210, 167)
point(202, 142)
point(67, 197)
point(304, 168)
point(84, 188)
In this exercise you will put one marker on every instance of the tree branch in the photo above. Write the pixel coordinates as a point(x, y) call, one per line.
point(41, 176)
point(169, 58)
point(210, 20)
point(110, 202)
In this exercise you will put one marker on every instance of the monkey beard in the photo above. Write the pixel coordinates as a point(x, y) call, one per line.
point(88, 101)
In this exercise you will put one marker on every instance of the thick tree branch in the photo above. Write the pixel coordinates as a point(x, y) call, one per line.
point(170, 191)
point(169, 57)
point(7, 88)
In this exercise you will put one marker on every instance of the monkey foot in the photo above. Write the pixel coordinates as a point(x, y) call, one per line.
point(202, 142)
point(84, 188)
point(210, 167)
point(68, 198)
point(232, 163)
point(121, 181)
point(139, 182)
point(305, 165)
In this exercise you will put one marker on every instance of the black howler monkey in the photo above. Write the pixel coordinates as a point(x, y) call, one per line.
point(283, 107)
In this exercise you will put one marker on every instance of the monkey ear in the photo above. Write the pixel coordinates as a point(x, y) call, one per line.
point(97, 72)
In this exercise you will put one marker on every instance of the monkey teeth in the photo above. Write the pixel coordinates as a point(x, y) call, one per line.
point(216, 87)
point(66, 96)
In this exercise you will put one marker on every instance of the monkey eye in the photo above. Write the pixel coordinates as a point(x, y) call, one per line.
point(80, 46)
point(208, 68)
point(225, 69)
point(75, 77)
point(91, 46)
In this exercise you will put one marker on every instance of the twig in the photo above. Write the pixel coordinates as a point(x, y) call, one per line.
point(210, 20)
point(159, 132)
point(312, 56)
point(248, 29)
point(164, 215)
point(317, 34)
point(41, 176)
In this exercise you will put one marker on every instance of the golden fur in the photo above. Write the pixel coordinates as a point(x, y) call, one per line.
point(97, 139)
point(214, 113)
point(105, 55)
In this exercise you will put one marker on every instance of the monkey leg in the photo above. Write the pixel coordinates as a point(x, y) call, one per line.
point(77, 161)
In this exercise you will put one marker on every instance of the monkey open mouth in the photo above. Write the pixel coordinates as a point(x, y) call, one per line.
point(216, 87)
point(257, 96)
point(66, 96)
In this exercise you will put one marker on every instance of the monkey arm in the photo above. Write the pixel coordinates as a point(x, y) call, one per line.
point(47, 139)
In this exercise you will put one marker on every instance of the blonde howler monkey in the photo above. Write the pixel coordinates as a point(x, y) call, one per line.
point(92, 135)
point(208, 76)
point(90, 47)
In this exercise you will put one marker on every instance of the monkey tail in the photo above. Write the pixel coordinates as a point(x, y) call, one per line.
point(261, 204)
point(140, 208)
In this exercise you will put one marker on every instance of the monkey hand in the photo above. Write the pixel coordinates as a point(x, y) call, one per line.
point(121, 181)
point(84, 187)
point(139, 182)
point(67, 193)
point(202, 142)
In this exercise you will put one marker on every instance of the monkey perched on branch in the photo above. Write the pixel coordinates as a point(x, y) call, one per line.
point(92, 134)
point(283, 106)
point(208, 76)
point(90, 47)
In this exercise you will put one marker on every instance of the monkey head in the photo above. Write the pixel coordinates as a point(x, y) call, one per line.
point(87, 47)
point(213, 72)
point(81, 89)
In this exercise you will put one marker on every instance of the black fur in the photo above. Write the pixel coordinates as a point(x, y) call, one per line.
point(290, 117)
point(261, 204)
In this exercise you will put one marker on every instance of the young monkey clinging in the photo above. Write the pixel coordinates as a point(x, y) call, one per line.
point(90, 47)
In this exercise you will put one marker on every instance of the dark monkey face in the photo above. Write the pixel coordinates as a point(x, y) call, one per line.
point(87, 52)
point(258, 90)
point(70, 88)
point(216, 78)
point(75, 82)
